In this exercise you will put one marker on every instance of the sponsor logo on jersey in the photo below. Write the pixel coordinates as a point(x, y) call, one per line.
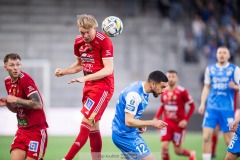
point(30, 89)
point(130, 108)
point(22, 121)
point(108, 53)
point(132, 101)
point(141, 111)
point(89, 103)
point(33, 146)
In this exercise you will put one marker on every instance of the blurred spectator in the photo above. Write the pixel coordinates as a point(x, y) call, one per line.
point(227, 12)
point(175, 10)
point(210, 51)
point(164, 6)
point(212, 27)
point(189, 51)
point(198, 30)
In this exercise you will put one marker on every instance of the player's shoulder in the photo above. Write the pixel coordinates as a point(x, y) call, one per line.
point(79, 39)
point(233, 65)
point(181, 88)
point(8, 79)
point(23, 76)
point(134, 88)
point(102, 37)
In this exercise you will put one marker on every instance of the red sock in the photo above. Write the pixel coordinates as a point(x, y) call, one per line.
point(165, 154)
point(80, 140)
point(185, 152)
point(214, 143)
point(95, 144)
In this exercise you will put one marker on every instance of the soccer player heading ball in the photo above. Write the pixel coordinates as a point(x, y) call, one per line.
point(94, 56)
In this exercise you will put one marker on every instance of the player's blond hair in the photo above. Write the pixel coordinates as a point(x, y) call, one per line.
point(86, 21)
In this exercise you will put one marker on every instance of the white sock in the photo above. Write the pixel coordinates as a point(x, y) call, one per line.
point(206, 156)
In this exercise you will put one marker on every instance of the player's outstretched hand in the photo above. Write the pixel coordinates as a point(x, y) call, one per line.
point(3, 101)
point(233, 127)
point(59, 72)
point(142, 130)
point(12, 99)
point(79, 80)
point(159, 124)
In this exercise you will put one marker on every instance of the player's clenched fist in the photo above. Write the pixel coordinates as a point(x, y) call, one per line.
point(59, 72)
point(159, 124)
point(3, 101)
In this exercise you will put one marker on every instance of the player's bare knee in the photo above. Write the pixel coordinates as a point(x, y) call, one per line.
point(206, 138)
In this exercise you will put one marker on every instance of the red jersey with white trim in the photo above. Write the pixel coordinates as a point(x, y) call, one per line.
point(92, 55)
point(23, 88)
point(174, 103)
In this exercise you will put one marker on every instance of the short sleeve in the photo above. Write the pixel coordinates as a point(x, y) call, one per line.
point(133, 99)
point(107, 49)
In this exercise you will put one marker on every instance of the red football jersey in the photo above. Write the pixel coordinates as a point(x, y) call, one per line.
point(174, 103)
point(23, 87)
point(91, 55)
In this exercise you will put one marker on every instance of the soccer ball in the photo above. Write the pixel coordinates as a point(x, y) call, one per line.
point(112, 26)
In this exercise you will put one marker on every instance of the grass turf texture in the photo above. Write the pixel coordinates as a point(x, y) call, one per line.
point(58, 147)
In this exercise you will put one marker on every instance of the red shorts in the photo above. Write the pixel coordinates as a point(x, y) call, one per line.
point(173, 133)
point(95, 101)
point(34, 142)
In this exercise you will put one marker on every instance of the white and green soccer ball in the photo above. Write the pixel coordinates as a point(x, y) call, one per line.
point(112, 26)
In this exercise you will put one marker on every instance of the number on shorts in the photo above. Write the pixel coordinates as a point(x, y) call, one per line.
point(141, 149)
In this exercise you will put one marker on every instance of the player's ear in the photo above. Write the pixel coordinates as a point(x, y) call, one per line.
point(5, 66)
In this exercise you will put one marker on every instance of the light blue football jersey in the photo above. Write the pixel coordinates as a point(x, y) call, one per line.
point(134, 100)
point(221, 96)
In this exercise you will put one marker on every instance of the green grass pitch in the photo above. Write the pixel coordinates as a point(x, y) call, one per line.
point(58, 147)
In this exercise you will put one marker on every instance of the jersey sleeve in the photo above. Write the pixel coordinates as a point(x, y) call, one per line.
point(207, 79)
point(29, 86)
point(187, 97)
point(237, 76)
point(189, 100)
point(133, 99)
point(77, 46)
point(107, 49)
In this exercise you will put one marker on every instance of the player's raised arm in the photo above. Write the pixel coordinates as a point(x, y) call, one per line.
point(74, 68)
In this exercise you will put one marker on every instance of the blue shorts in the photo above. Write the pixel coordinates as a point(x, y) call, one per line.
point(234, 145)
point(132, 147)
point(214, 117)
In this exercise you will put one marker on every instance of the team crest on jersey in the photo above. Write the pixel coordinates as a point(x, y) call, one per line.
point(33, 146)
point(174, 97)
point(89, 103)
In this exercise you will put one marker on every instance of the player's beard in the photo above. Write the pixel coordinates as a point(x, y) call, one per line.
point(154, 93)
